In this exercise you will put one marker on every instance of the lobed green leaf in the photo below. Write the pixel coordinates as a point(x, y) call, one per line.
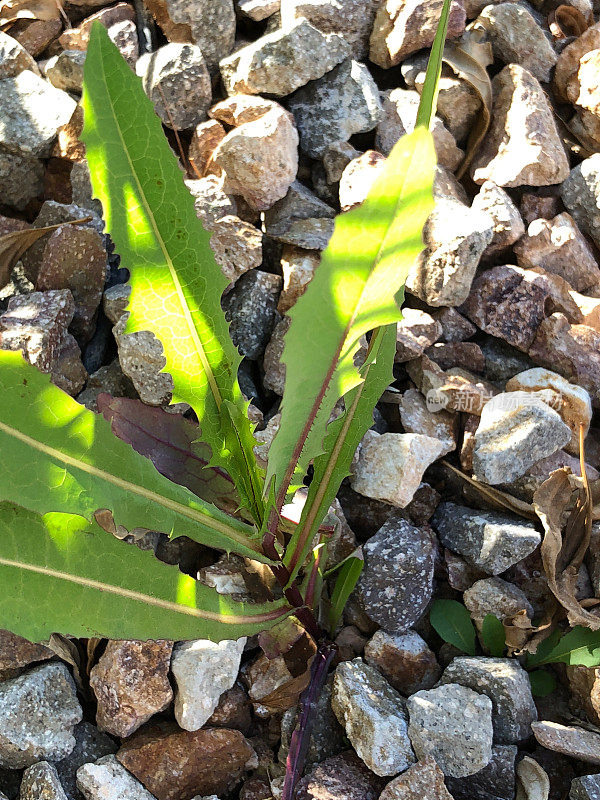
point(580, 646)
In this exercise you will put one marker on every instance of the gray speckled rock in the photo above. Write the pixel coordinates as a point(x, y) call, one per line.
point(32, 112)
point(14, 58)
point(507, 685)
point(580, 193)
point(508, 225)
point(495, 781)
point(489, 540)
point(343, 102)
point(65, 70)
point(90, 745)
point(352, 19)
point(423, 780)
point(570, 740)
point(495, 596)
point(283, 61)
point(203, 670)
point(251, 306)
point(21, 179)
point(516, 430)
point(374, 717)
point(397, 580)
point(454, 725)
point(107, 779)
point(587, 787)
point(38, 711)
point(300, 219)
point(41, 782)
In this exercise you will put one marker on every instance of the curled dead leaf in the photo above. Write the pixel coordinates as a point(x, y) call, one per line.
point(468, 57)
point(522, 636)
point(567, 21)
point(495, 498)
point(15, 243)
point(532, 781)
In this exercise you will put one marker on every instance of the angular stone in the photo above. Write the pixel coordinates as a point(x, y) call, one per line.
point(65, 70)
point(259, 157)
point(416, 331)
point(26, 98)
point(14, 58)
point(17, 653)
point(21, 179)
point(522, 146)
point(75, 258)
point(251, 309)
point(358, 178)
point(274, 377)
point(558, 246)
point(176, 79)
point(208, 761)
point(573, 403)
point(587, 787)
point(208, 23)
point(210, 201)
point(496, 781)
point(489, 540)
point(68, 373)
point(41, 782)
point(203, 670)
point(457, 355)
point(417, 418)
point(343, 102)
point(399, 116)
point(580, 193)
point(38, 711)
point(517, 38)
point(495, 596)
point(131, 684)
point(390, 466)
point(423, 780)
point(570, 57)
point(571, 740)
point(298, 266)
point(142, 359)
point(508, 225)
point(258, 10)
point(342, 777)
point(374, 716)
point(352, 19)
point(507, 685)
point(282, 61)
point(404, 660)
point(90, 745)
point(109, 780)
point(516, 430)
point(300, 219)
point(402, 28)
point(584, 686)
point(455, 327)
point(396, 583)
point(454, 725)
point(119, 21)
point(205, 138)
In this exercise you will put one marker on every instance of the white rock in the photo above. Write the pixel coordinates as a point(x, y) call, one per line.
point(107, 779)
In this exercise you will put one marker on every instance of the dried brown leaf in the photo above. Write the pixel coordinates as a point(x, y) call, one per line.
point(532, 781)
point(567, 21)
point(15, 243)
point(496, 498)
point(468, 57)
point(522, 636)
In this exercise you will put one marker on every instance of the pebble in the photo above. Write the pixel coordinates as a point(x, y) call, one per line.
point(423, 780)
point(587, 787)
point(14, 58)
point(259, 157)
point(416, 331)
point(404, 659)
point(90, 745)
point(237, 245)
point(298, 267)
point(25, 98)
point(453, 724)
point(119, 21)
point(455, 327)
point(571, 740)
point(21, 179)
point(41, 782)
point(495, 596)
point(572, 402)
point(402, 28)
point(417, 418)
point(131, 684)
point(352, 19)
point(300, 219)
point(517, 38)
point(203, 670)
point(584, 686)
point(142, 359)
point(17, 653)
point(374, 717)
point(358, 178)
point(580, 193)
point(274, 368)
point(38, 711)
point(516, 430)
point(507, 685)
point(570, 57)
point(489, 540)
point(522, 146)
point(496, 781)
point(396, 583)
point(106, 779)
point(209, 761)
point(341, 777)
point(205, 138)
point(251, 309)
point(390, 466)
point(65, 70)
point(282, 61)
point(176, 79)
point(508, 225)
point(343, 102)
point(258, 10)
point(558, 246)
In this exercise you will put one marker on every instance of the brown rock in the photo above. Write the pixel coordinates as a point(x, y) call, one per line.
point(571, 350)
point(404, 660)
point(118, 20)
point(569, 740)
point(402, 28)
point(205, 138)
point(416, 331)
point(455, 389)
point(298, 267)
point(466, 355)
point(131, 684)
point(237, 245)
point(68, 373)
point(417, 418)
point(274, 378)
point(36, 37)
point(424, 780)
point(75, 259)
point(569, 60)
point(342, 777)
point(68, 141)
point(234, 710)
point(17, 653)
point(584, 684)
point(455, 327)
point(178, 765)
point(539, 206)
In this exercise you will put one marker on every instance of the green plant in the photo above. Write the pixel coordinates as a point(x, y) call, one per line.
point(73, 473)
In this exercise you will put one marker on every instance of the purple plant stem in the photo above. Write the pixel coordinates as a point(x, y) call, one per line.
point(300, 740)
